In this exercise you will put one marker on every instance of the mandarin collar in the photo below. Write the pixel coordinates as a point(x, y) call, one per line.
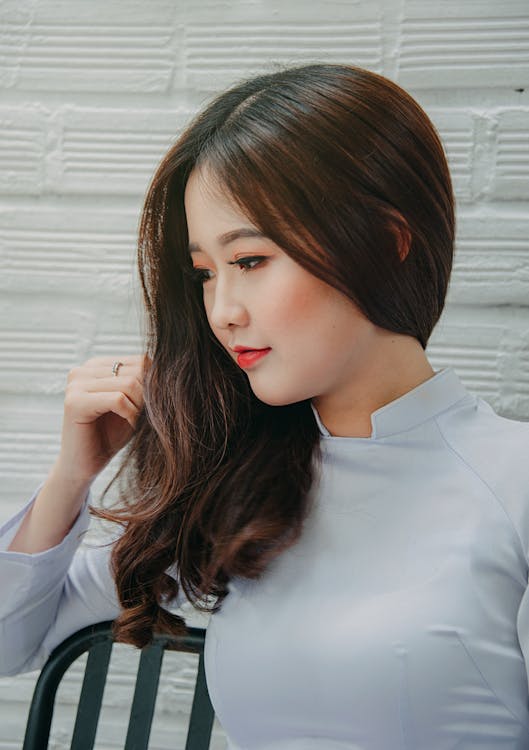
point(426, 400)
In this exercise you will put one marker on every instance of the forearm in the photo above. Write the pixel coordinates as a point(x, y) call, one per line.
point(52, 515)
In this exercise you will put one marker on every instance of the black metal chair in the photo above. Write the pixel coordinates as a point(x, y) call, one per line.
point(97, 640)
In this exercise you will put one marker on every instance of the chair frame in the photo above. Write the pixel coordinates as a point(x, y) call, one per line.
point(97, 639)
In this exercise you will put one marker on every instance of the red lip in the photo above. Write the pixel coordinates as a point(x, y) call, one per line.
point(250, 356)
point(247, 349)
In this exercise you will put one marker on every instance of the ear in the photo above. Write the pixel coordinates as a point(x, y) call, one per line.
point(402, 233)
point(404, 242)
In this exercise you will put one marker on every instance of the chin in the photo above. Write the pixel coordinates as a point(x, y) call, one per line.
point(277, 398)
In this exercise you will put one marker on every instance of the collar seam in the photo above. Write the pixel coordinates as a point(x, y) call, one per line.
point(432, 417)
point(483, 481)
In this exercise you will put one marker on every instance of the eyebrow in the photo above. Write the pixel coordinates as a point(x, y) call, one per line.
point(227, 237)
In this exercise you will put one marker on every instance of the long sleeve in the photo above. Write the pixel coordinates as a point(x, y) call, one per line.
point(46, 596)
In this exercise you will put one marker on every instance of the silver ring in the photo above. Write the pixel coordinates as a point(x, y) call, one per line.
point(115, 367)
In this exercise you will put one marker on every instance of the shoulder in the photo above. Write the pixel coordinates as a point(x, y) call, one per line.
point(479, 433)
point(494, 448)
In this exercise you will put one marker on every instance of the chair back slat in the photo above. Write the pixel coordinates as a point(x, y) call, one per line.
point(95, 675)
point(98, 641)
point(202, 713)
point(40, 712)
point(143, 702)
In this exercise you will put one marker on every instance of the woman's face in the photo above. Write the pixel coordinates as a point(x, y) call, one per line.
point(316, 335)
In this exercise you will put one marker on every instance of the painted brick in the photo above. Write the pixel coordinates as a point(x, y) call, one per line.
point(511, 158)
point(209, 59)
point(456, 130)
point(23, 133)
point(466, 44)
point(112, 150)
point(96, 46)
point(491, 260)
point(89, 251)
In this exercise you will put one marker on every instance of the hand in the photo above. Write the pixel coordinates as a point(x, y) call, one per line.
point(100, 413)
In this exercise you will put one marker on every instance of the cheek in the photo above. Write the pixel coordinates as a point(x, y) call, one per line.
point(318, 323)
point(306, 307)
point(222, 335)
point(297, 300)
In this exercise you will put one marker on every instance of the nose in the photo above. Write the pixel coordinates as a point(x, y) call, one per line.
point(226, 308)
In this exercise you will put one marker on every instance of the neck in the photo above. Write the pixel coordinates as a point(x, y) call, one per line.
point(398, 365)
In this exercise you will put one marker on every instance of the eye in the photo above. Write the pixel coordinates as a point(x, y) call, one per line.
point(197, 274)
point(200, 274)
point(244, 262)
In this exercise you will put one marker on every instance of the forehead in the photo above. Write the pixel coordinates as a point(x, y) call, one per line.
point(204, 185)
point(230, 236)
point(204, 193)
point(212, 216)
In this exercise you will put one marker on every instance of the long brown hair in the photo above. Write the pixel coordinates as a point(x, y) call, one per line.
point(333, 163)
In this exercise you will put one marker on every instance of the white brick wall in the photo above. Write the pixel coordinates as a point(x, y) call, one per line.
point(92, 94)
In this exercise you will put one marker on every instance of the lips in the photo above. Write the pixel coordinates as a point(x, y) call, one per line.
point(251, 356)
point(239, 349)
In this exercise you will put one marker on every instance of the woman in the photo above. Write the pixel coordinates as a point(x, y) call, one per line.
point(357, 523)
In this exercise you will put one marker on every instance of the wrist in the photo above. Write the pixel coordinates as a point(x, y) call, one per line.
point(73, 482)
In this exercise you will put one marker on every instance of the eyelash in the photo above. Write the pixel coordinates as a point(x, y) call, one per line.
point(197, 274)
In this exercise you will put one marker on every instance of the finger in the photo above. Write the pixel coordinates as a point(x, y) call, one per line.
point(98, 370)
point(94, 405)
point(106, 359)
point(130, 385)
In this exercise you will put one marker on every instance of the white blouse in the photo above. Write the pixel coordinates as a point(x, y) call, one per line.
point(400, 619)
